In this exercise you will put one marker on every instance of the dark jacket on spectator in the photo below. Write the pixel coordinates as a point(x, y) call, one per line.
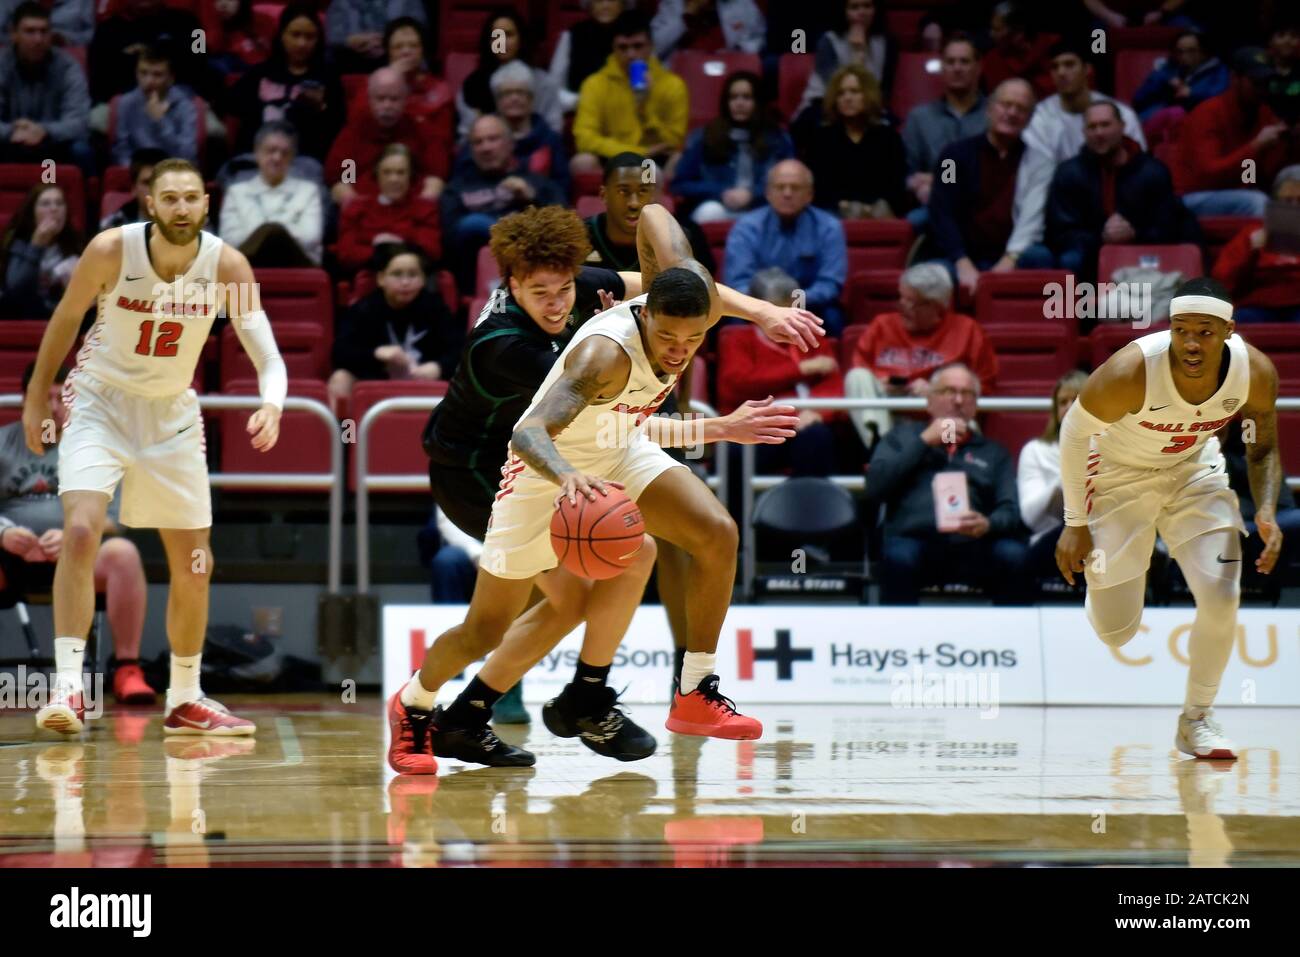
point(426, 325)
point(477, 192)
point(698, 178)
point(902, 469)
point(868, 170)
point(540, 151)
point(1209, 79)
point(1084, 194)
point(112, 69)
point(268, 92)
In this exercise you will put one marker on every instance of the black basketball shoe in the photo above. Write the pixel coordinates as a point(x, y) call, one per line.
point(476, 744)
point(598, 722)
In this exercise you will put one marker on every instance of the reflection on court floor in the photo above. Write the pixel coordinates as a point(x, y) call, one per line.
point(834, 784)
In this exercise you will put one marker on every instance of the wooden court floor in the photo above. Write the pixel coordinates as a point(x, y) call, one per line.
point(839, 785)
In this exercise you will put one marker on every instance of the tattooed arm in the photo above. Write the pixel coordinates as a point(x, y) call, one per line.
point(595, 372)
point(660, 243)
point(1263, 461)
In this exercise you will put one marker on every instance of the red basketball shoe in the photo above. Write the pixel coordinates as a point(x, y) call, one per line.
point(66, 710)
point(706, 711)
point(409, 749)
point(205, 716)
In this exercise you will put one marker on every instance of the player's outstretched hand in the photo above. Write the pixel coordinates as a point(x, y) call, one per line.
point(575, 484)
point(607, 300)
point(264, 427)
point(794, 327)
point(1072, 550)
point(759, 422)
point(1272, 536)
point(37, 416)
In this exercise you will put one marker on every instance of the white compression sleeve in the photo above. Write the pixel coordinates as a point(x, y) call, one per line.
point(1077, 428)
point(254, 331)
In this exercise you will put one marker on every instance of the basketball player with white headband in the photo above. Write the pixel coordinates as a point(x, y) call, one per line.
point(1139, 455)
point(133, 418)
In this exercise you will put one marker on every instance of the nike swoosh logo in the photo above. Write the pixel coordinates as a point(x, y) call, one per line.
point(201, 725)
point(133, 278)
point(1157, 408)
point(1226, 561)
point(186, 429)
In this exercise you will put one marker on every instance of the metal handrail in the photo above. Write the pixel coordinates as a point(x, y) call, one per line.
point(417, 483)
point(332, 480)
point(751, 483)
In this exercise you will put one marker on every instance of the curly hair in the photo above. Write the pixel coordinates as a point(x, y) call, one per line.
point(551, 237)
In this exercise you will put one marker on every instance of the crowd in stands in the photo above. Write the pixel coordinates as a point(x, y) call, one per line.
point(877, 162)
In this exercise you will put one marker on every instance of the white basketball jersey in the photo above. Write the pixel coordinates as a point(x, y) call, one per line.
point(149, 332)
point(1169, 429)
point(601, 433)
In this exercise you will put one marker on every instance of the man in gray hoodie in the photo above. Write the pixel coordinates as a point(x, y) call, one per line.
point(44, 103)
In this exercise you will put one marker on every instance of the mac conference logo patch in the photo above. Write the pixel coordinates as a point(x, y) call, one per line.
point(1230, 404)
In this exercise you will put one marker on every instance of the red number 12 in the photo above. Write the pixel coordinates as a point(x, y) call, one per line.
point(168, 333)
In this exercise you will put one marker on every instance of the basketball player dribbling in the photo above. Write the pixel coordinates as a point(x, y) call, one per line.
point(133, 418)
point(527, 244)
point(1139, 456)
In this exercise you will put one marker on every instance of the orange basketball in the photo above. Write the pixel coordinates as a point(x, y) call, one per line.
point(597, 539)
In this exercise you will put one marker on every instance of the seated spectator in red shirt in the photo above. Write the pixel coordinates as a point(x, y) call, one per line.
point(1018, 50)
point(235, 41)
point(1265, 285)
point(393, 215)
point(431, 98)
point(538, 148)
point(367, 133)
point(1218, 136)
point(402, 330)
point(899, 351)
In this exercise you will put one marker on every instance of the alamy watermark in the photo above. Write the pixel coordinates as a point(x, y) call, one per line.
point(31, 690)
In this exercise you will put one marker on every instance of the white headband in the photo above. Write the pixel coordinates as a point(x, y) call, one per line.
point(1205, 305)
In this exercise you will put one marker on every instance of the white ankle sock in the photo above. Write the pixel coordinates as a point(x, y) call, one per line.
point(184, 685)
point(697, 666)
point(416, 695)
point(69, 655)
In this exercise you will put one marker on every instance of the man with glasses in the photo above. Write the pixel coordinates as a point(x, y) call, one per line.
point(986, 546)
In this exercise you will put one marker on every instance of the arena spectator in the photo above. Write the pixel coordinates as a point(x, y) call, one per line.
point(158, 114)
point(959, 113)
point(1265, 284)
point(614, 117)
point(1038, 480)
point(725, 161)
point(37, 254)
point(789, 232)
point(1018, 51)
point(1056, 127)
point(274, 218)
point(899, 351)
point(451, 557)
point(990, 217)
point(1287, 518)
point(1188, 77)
point(141, 170)
point(988, 549)
point(1112, 192)
point(1217, 137)
point(707, 25)
point(355, 30)
point(1284, 45)
point(392, 215)
point(429, 98)
point(401, 330)
point(483, 193)
point(583, 49)
point(629, 185)
point(538, 148)
point(384, 121)
point(856, 159)
point(505, 39)
point(294, 85)
point(31, 537)
point(72, 22)
point(233, 39)
point(857, 36)
point(137, 23)
point(44, 103)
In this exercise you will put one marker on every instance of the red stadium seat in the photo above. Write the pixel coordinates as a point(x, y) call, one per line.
point(457, 66)
point(877, 243)
point(1280, 341)
point(354, 85)
point(1184, 257)
point(1032, 355)
point(304, 347)
point(1288, 426)
point(112, 202)
point(1019, 296)
point(297, 294)
point(1132, 67)
point(118, 179)
point(850, 342)
point(705, 74)
point(1149, 37)
point(869, 293)
point(1013, 429)
point(19, 342)
point(1217, 232)
point(394, 439)
point(586, 184)
point(917, 80)
point(17, 179)
point(489, 274)
point(793, 71)
point(1109, 337)
point(304, 443)
point(716, 233)
point(905, 27)
point(461, 21)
